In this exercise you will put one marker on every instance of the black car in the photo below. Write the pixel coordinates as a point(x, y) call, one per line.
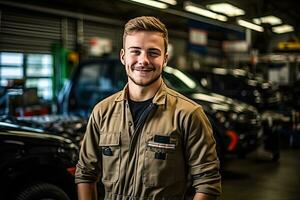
point(278, 118)
point(35, 164)
point(239, 84)
point(237, 126)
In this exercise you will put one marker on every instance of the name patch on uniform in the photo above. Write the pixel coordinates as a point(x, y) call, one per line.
point(161, 145)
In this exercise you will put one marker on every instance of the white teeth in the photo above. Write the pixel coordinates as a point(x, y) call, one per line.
point(148, 70)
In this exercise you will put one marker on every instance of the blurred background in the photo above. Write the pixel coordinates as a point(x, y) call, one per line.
point(240, 60)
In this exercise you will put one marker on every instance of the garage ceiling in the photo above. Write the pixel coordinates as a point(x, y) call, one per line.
point(175, 16)
point(287, 10)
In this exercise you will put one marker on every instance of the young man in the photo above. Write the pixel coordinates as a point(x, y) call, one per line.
point(147, 141)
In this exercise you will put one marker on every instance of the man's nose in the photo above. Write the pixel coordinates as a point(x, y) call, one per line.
point(143, 59)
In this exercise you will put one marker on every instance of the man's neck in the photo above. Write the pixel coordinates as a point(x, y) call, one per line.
point(140, 93)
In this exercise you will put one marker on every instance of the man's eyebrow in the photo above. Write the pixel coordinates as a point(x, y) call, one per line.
point(134, 47)
point(154, 49)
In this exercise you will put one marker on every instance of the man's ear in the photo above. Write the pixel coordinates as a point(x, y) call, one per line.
point(122, 54)
point(166, 59)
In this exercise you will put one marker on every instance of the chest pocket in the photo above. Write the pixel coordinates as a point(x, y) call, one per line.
point(163, 162)
point(110, 147)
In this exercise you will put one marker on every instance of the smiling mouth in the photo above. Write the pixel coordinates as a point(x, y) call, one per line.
point(143, 69)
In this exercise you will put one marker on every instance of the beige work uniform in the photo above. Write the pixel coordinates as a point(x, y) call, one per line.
point(175, 143)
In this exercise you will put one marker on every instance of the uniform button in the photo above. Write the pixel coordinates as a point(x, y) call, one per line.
point(130, 123)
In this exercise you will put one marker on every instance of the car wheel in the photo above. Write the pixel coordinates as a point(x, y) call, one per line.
point(275, 156)
point(272, 142)
point(42, 191)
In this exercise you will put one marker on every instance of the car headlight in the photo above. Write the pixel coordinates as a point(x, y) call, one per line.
point(258, 100)
point(256, 93)
point(237, 117)
point(241, 118)
point(233, 116)
point(220, 117)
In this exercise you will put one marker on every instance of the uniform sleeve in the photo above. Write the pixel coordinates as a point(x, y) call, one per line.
point(88, 166)
point(201, 154)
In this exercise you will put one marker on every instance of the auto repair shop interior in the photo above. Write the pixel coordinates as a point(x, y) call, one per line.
point(240, 60)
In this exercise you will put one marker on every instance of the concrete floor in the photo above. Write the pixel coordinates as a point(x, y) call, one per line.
point(256, 178)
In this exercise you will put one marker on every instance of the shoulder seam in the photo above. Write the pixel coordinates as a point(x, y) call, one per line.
point(181, 96)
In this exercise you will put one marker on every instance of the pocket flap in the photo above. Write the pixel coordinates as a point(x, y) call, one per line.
point(109, 139)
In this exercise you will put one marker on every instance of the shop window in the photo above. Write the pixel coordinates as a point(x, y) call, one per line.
point(11, 67)
point(39, 72)
point(44, 86)
point(36, 69)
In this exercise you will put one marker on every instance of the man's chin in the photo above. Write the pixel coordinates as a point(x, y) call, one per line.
point(144, 83)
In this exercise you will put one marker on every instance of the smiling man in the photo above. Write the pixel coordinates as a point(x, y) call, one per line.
point(147, 141)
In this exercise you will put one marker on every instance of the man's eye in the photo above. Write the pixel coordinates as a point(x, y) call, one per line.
point(154, 54)
point(135, 52)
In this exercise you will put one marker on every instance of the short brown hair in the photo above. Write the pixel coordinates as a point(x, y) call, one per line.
point(146, 23)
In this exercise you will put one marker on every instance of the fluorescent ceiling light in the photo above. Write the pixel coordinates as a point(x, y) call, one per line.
point(190, 7)
point(267, 19)
point(152, 3)
point(226, 9)
point(172, 2)
point(250, 25)
point(283, 29)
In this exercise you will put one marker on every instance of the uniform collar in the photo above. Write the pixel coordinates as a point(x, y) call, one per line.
point(159, 97)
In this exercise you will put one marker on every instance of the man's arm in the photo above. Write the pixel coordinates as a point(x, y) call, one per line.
point(202, 157)
point(87, 169)
point(87, 191)
point(202, 196)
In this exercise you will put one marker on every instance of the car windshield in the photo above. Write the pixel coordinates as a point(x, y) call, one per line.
point(94, 82)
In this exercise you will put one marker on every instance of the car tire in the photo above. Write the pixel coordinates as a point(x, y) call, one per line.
point(272, 142)
point(40, 191)
point(275, 157)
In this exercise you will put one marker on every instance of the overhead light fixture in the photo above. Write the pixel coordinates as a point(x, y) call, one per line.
point(282, 29)
point(267, 19)
point(152, 3)
point(172, 2)
point(226, 9)
point(193, 8)
point(250, 25)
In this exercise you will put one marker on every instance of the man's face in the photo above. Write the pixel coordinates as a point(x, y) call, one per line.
point(144, 57)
